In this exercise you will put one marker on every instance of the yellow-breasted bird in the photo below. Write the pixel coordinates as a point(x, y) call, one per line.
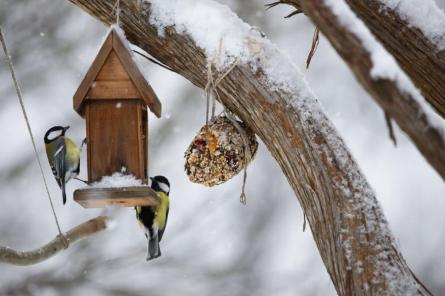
point(153, 219)
point(63, 156)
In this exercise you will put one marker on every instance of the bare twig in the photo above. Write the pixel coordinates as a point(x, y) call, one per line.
point(304, 222)
point(392, 135)
point(273, 4)
point(295, 12)
point(152, 60)
point(14, 257)
point(315, 41)
point(290, 2)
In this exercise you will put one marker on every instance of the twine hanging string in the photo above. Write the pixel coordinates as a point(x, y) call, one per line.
point(208, 93)
point(19, 95)
point(247, 152)
point(212, 94)
point(117, 11)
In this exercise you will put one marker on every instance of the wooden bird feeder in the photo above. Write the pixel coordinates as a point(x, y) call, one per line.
point(113, 98)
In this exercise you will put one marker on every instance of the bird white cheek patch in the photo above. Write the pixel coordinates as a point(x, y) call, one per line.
point(164, 187)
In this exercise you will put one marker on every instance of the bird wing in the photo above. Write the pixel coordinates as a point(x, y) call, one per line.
point(161, 231)
point(59, 162)
point(146, 216)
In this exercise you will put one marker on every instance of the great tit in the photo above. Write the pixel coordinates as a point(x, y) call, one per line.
point(153, 219)
point(63, 156)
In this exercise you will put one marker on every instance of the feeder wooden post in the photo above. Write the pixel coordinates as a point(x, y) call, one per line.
point(113, 98)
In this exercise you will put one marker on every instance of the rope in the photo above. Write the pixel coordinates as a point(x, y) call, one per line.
point(210, 89)
point(19, 95)
point(208, 92)
point(247, 152)
point(117, 10)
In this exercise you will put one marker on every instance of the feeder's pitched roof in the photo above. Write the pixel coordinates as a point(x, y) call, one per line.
point(138, 87)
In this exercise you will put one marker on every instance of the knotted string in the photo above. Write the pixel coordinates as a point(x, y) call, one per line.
point(212, 94)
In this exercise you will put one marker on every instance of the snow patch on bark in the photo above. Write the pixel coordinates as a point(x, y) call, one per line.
point(384, 64)
point(225, 38)
point(424, 15)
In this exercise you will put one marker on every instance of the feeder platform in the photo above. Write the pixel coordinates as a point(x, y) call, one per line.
point(122, 197)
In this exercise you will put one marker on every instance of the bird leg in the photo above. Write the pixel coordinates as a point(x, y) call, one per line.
point(83, 143)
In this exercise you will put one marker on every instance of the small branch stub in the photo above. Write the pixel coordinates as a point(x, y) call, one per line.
point(216, 154)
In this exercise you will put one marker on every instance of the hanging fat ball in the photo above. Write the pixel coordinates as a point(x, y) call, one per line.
point(153, 219)
point(217, 153)
point(63, 156)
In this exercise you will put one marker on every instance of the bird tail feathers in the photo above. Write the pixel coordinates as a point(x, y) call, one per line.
point(153, 248)
point(63, 192)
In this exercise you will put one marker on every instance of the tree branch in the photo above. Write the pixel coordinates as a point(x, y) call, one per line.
point(419, 58)
point(11, 256)
point(346, 220)
point(395, 102)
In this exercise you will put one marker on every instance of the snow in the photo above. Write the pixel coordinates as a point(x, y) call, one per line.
point(221, 35)
point(110, 223)
point(226, 39)
point(121, 34)
point(422, 14)
point(384, 64)
point(117, 180)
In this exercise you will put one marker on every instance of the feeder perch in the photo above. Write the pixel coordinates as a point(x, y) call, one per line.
point(113, 98)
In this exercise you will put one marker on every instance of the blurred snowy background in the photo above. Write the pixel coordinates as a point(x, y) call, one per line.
point(213, 245)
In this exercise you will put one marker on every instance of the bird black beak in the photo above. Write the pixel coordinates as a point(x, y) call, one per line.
point(66, 127)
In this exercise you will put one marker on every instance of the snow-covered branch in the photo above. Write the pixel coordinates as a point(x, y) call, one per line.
point(422, 39)
point(11, 256)
point(272, 97)
point(381, 76)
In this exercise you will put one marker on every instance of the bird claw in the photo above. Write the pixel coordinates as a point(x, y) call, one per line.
point(84, 142)
point(78, 179)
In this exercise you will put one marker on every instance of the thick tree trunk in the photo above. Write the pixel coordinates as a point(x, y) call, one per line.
point(419, 57)
point(346, 220)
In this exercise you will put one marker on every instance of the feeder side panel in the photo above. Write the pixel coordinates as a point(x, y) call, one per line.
point(87, 118)
point(144, 138)
point(113, 138)
point(140, 138)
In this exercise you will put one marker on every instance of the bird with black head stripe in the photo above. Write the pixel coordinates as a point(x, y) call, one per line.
point(153, 219)
point(63, 156)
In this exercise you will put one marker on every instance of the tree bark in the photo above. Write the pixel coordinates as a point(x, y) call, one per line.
point(346, 220)
point(396, 103)
point(14, 257)
point(421, 60)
